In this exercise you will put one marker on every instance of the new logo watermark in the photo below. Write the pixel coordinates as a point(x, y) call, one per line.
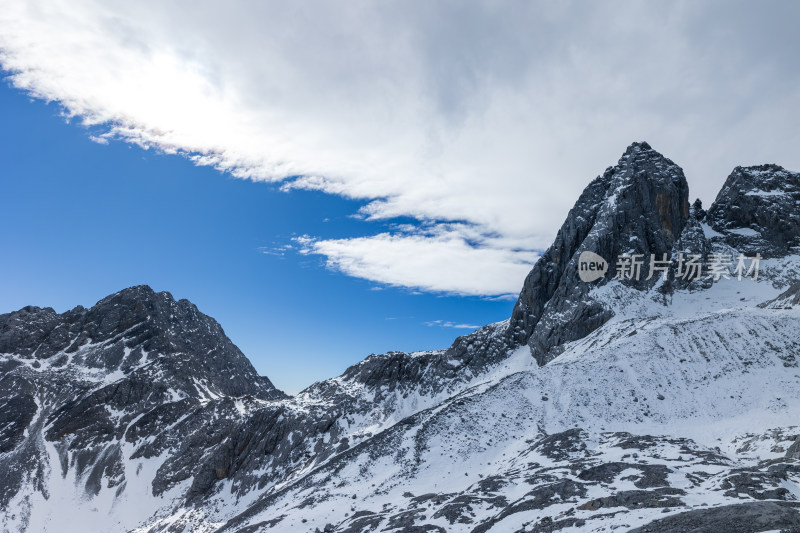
point(591, 266)
point(689, 267)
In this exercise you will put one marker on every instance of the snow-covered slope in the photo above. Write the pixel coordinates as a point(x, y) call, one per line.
point(686, 406)
point(619, 405)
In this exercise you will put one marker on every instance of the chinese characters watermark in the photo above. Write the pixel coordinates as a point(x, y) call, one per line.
point(689, 267)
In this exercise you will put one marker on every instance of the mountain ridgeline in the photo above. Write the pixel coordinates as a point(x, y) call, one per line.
point(658, 405)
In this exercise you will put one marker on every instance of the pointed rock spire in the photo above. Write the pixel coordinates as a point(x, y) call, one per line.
point(639, 206)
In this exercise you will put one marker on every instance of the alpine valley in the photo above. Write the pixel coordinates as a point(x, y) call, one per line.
point(650, 405)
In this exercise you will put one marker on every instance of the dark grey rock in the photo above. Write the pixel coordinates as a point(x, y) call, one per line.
point(640, 206)
point(539, 498)
point(758, 484)
point(563, 445)
point(743, 518)
point(692, 242)
point(651, 475)
point(793, 452)
point(786, 300)
point(460, 509)
point(637, 499)
point(185, 343)
point(757, 211)
point(125, 370)
point(17, 409)
point(361, 521)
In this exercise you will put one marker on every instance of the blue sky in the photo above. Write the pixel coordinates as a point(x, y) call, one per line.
point(326, 182)
point(84, 220)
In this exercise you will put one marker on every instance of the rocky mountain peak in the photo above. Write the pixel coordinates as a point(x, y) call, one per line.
point(129, 334)
point(635, 148)
point(639, 206)
point(758, 210)
point(643, 174)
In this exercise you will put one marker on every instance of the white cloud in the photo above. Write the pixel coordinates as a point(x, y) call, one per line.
point(99, 139)
point(494, 114)
point(442, 263)
point(279, 250)
point(449, 324)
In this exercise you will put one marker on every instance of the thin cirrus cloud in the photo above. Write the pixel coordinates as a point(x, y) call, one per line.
point(493, 115)
point(448, 324)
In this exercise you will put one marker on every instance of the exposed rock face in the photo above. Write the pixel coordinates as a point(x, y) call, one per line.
point(134, 365)
point(758, 210)
point(692, 242)
point(469, 354)
point(786, 300)
point(741, 518)
point(640, 206)
point(793, 452)
point(120, 333)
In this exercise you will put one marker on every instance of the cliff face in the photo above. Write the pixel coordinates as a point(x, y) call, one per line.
point(91, 380)
point(639, 206)
point(758, 211)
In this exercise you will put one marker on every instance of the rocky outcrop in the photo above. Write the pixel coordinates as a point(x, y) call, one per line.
point(130, 329)
point(793, 452)
point(786, 300)
point(139, 367)
point(742, 518)
point(758, 211)
point(639, 206)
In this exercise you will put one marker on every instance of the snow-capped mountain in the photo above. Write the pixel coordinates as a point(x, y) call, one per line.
point(655, 403)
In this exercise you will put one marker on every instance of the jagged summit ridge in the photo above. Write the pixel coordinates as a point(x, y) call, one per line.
point(129, 330)
point(638, 206)
point(138, 370)
point(758, 210)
